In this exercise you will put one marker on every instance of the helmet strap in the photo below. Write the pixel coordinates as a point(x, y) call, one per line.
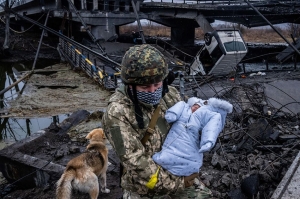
point(165, 87)
point(137, 108)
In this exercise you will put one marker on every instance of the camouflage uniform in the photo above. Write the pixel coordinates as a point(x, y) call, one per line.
point(122, 131)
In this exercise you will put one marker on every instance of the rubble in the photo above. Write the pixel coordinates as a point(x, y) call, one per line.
point(260, 138)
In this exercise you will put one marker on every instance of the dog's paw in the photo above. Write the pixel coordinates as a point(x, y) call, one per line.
point(105, 190)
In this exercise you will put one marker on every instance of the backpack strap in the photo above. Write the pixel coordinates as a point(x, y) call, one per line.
point(151, 127)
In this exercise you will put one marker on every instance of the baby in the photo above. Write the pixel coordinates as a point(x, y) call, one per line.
point(182, 151)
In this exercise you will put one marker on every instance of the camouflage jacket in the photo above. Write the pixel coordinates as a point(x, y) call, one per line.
point(122, 131)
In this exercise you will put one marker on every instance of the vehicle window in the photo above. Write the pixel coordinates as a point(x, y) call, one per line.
point(234, 46)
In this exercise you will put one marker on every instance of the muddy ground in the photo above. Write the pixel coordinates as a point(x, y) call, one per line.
point(58, 90)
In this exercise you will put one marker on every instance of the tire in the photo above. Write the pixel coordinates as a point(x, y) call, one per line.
point(207, 38)
point(187, 69)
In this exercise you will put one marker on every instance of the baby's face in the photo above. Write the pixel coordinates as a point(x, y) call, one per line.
point(195, 107)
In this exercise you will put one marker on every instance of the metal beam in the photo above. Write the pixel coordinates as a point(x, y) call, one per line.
point(116, 66)
point(204, 24)
point(87, 28)
point(40, 43)
point(272, 26)
point(138, 21)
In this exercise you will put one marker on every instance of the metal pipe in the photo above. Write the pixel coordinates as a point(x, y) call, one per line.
point(40, 43)
point(138, 21)
point(272, 26)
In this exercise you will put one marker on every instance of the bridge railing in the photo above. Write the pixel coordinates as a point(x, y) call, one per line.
point(212, 2)
point(91, 64)
point(176, 52)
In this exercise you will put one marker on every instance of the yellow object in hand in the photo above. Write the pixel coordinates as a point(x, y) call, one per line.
point(153, 180)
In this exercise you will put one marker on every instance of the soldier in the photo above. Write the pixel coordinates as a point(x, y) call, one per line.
point(128, 125)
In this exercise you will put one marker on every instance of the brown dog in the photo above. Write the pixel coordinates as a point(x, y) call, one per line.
point(82, 172)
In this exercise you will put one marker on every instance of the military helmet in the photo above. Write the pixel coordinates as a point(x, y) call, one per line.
point(143, 64)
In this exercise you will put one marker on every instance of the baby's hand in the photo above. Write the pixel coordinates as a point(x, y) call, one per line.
point(206, 147)
point(171, 117)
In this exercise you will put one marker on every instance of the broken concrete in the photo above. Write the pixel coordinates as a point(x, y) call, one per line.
point(24, 157)
point(57, 90)
point(284, 95)
point(289, 185)
point(231, 164)
point(39, 160)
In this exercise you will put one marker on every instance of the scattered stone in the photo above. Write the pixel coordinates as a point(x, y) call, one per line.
point(59, 154)
point(288, 137)
point(265, 110)
point(74, 149)
point(226, 179)
point(274, 135)
point(236, 194)
point(217, 161)
point(261, 129)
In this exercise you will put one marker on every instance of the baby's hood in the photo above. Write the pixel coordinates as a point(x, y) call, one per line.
point(195, 100)
point(219, 103)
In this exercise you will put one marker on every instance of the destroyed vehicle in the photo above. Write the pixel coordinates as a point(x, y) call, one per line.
point(222, 51)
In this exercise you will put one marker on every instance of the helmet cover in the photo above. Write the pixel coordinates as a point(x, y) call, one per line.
point(143, 64)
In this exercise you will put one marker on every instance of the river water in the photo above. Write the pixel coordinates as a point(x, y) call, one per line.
point(13, 129)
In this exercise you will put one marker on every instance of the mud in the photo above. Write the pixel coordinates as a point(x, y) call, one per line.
point(58, 90)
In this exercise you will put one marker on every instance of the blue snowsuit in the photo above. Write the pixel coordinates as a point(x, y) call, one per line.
point(182, 151)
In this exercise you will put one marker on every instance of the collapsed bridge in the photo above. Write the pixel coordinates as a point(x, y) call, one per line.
point(105, 17)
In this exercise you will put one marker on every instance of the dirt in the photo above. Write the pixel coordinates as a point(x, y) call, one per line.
point(58, 90)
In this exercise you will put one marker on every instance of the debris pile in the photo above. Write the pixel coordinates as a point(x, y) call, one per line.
point(253, 152)
point(258, 144)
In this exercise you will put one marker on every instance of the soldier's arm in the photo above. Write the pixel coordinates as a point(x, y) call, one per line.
point(132, 154)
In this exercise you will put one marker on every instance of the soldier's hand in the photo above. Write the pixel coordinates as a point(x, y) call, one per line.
point(189, 180)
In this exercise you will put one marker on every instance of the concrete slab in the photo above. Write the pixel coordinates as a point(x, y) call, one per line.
point(34, 161)
point(207, 91)
point(57, 90)
point(284, 95)
point(289, 187)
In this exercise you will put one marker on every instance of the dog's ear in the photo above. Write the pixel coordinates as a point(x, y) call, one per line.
point(89, 136)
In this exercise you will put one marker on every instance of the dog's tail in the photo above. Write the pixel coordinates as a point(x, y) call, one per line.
point(64, 185)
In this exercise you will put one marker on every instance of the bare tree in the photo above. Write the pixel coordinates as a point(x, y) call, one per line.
point(294, 29)
point(7, 19)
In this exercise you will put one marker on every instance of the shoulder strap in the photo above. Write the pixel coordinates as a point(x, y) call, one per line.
point(151, 126)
